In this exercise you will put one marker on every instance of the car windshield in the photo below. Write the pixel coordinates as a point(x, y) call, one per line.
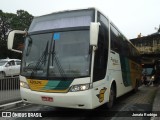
point(147, 71)
point(2, 63)
point(57, 55)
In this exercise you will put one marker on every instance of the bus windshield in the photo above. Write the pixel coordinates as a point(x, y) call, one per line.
point(57, 55)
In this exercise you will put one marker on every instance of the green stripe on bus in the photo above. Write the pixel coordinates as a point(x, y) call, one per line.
point(125, 67)
point(57, 85)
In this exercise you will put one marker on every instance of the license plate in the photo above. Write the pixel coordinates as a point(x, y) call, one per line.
point(49, 99)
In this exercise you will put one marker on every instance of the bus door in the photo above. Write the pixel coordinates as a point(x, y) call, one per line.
point(99, 69)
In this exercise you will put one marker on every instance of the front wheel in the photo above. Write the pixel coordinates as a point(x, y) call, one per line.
point(112, 97)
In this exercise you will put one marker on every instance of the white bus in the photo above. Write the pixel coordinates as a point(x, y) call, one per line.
point(76, 59)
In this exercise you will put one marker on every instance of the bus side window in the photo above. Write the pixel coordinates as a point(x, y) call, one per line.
point(115, 46)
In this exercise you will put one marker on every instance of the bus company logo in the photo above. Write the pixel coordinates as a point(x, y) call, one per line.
point(35, 82)
point(101, 94)
point(21, 114)
point(6, 114)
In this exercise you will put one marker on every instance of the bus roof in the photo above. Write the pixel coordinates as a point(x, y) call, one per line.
point(69, 10)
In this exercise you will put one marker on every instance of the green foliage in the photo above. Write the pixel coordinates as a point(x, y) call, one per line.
point(9, 21)
point(22, 20)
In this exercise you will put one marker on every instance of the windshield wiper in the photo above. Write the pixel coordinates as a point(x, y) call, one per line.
point(41, 60)
point(59, 66)
point(29, 44)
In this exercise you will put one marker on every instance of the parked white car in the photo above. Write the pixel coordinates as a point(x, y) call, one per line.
point(9, 67)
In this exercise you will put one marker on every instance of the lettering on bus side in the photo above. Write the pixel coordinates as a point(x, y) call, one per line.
point(101, 94)
point(35, 82)
point(114, 61)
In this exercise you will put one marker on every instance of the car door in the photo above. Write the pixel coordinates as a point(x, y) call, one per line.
point(17, 67)
point(8, 68)
point(12, 68)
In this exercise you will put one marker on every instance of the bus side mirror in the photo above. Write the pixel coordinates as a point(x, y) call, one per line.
point(16, 40)
point(94, 30)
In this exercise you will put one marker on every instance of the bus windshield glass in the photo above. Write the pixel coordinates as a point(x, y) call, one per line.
point(57, 55)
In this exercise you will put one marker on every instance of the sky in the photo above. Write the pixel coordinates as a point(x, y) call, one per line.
point(130, 16)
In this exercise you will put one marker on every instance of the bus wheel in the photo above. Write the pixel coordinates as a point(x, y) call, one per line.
point(112, 97)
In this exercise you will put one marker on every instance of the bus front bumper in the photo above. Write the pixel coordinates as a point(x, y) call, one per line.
point(79, 100)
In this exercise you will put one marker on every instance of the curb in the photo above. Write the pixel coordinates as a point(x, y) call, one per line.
point(10, 105)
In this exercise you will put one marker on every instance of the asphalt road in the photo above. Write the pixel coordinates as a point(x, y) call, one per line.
point(126, 107)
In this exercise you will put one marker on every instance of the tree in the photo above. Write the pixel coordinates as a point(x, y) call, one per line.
point(9, 21)
point(22, 20)
point(5, 19)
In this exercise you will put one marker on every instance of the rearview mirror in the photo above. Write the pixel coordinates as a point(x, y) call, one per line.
point(94, 30)
point(16, 40)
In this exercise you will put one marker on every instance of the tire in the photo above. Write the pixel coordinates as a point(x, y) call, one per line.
point(112, 97)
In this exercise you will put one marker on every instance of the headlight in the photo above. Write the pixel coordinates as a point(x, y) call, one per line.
point(81, 87)
point(152, 78)
point(24, 84)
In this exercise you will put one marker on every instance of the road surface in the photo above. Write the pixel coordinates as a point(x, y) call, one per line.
point(126, 107)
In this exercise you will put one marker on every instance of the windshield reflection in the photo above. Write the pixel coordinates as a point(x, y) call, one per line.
point(35, 55)
point(57, 55)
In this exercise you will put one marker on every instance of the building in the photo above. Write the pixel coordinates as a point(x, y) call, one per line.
point(149, 47)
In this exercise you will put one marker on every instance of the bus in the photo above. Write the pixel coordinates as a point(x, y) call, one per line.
point(151, 70)
point(76, 59)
